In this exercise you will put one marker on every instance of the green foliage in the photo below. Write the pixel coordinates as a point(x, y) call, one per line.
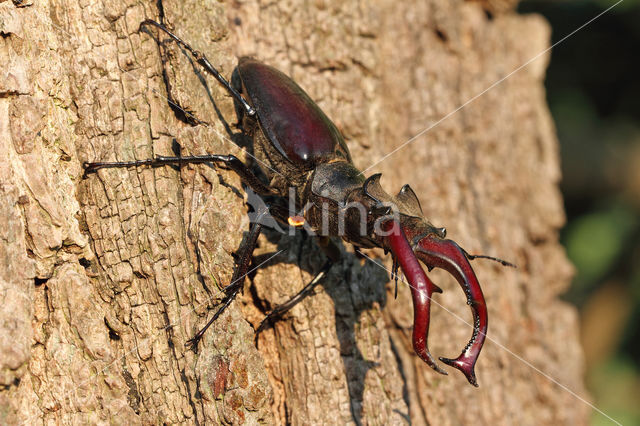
point(595, 241)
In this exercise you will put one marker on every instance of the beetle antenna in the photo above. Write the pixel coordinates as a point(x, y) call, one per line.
point(484, 256)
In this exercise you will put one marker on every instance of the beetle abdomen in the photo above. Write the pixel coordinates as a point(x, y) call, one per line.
point(292, 122)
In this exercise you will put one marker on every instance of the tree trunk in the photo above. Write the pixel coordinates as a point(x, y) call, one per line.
point(104, 278)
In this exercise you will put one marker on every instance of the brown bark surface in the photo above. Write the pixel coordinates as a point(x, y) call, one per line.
point(102, 280)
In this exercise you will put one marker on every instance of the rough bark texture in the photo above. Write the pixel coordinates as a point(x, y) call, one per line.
point(102, 280)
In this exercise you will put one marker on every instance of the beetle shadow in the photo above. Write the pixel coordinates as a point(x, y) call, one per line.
point(355, 288)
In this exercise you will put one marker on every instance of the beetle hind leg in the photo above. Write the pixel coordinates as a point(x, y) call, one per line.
point(201, 59)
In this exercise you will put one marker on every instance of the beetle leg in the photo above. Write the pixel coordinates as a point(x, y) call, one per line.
point(204, 62)
point(421, 290)
point(237, 280)
point(229, 161)
point(446, 254)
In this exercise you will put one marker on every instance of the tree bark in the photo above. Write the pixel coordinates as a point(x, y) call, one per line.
point(103, 279)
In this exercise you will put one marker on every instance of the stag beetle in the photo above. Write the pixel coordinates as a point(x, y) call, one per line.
point(302, 153)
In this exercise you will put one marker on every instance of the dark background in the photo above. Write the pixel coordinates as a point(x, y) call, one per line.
point(593, 91)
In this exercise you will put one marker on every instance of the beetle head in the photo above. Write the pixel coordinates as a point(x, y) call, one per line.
point(397, 224)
